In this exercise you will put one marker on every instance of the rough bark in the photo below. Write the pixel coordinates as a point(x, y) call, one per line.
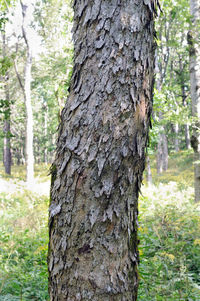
point(100, 155)
point(194, 49)
point(27, 98)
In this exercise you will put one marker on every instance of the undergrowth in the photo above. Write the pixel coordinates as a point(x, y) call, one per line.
point(23, 242)
point(169, 233)
point(169, 226)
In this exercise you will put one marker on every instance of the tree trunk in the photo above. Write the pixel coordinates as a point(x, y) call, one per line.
point(100, 155)
point(176, 140)
point(149, 174)
point(162, 152)
point(45, 107)
point(184, 97)
point(7, 145)
point(194, 43)
point(187, 136)
point(7, 150)
point(165, 151)
point(159, 160)
point(27, 96)
point(162, 148)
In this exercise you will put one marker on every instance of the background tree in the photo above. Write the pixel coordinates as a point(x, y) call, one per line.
point(5, 102)
point(26, 88)
point(51, 70)
point(5, 105)
point(172, 111)
point(194, 50)
point(100, 155)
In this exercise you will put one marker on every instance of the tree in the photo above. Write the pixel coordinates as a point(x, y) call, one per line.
point(6, 105)
point(4, 72)
point(194, 50)
point(51, 73)
point(100, 155)
point(26, 88)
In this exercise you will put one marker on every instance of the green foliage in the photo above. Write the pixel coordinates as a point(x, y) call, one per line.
point(4, 5)
point(23, 241)
point(169, 232)
point(172, 103)
point(179, 163)
point(169, 235)
point(5, 108)
point(5, 64)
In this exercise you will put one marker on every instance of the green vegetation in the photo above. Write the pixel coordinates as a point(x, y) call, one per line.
point(23, 237)
point(169, 220)
point(169, 233)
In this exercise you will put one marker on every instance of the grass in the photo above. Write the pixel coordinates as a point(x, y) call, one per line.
point(169, 233)
point(23, 239)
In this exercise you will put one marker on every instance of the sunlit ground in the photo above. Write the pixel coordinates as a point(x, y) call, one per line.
point(17, 181)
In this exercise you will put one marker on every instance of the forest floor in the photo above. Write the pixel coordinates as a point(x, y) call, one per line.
point(169, 234)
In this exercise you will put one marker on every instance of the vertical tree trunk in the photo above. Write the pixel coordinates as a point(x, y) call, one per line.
point(187, 136)
point(149, 174)
point(165, 151)
point(45, 133)
point(27, 95)
point(7, 145)
point(162, 152)
point(7, 148)
point(186, 126)
point(194, 43)
point(162, 148)
point(176, 140)
point(100, 156)
point(159, 159)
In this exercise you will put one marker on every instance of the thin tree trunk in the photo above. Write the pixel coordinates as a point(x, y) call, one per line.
point(23, 160)
point(187, 136)
point(7, 144)
point(29, 121)
point(194, 49)
point(162, 152)
point(27, 98)
point(162, 146)
point(149, 174)
point(100, 156)
point(7, 150)
point(45, 133)
point(176, 140)
point(159, 160)
point(162, 149)
point(184, 97)
point(165, 151)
